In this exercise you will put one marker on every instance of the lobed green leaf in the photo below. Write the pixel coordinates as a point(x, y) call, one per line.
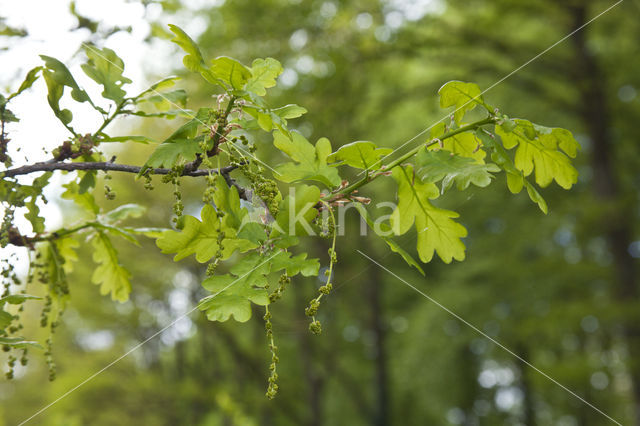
point(230, 71)
point(463, 96)
point(263, 75)
point(540, 149)
point(297, 211)
point(515, 179)
point(105, 67)
point(360, 154)
point(123, 212)
point(112, 277)
point(193, 60)
point(234, 293)
point(450, 168)
point(201, 238)
point(310, 162)
point(464, 144)
point(437, 232)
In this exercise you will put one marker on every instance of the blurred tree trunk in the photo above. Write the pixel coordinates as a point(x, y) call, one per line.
point(529, 412)
point(381, 408)
point(315, 381)
point(468, 369)
point(616, 216)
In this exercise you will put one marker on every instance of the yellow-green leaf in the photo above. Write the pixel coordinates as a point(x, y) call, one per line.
point(463, 96)
point(201, 238)
point(360, 154)
point(112, 277)
point(106, 68)
point(310, 162)
point(539, 149)
point(230, 71)
point(297, 211)
point(193, 60)
point(233, 293)
point(450, 168)
point(463, 144)
point(263, 75)
point(437, 232)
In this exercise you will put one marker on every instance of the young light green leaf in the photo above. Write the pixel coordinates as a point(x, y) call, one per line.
point(448, 167)
point(84, 200)
point(55, 92)
point(538, 149)
point(159, 86)
point(148, 232)
point(437, 232)
point(201, 238)
point(230, 71)
point(17, 342)
point(66, 247)
point(106, 68)
point(30, 78)
point(233, 293)
point(265, 121)
point(289, 111)
point(87, 180)
point(168, 100)
point(263, 75)
point(227, 200)
point(311, 162)
point(193, 60)
point(59, 73)
point(169, 154)
point(118, 232)
point(5, 319)
point(463, 96)
point(52, 262)
point(463, 144)
point(515, 179)
point(180, 147)
point(360, 154)
point(132, 138)
point(253, 232)
point(112, 277)
point(33, 216)
point(295, 265)
point(383, 231)
point(17, 299)
point(123, 212)
point(196, 237)
point(535, 196)
point(297, 211)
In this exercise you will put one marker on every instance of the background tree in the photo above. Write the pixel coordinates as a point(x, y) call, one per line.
point(555, 281)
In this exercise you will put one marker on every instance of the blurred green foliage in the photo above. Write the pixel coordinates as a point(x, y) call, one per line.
point(561, 291)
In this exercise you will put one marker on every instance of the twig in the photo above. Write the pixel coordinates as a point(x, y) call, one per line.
point(106, 166)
